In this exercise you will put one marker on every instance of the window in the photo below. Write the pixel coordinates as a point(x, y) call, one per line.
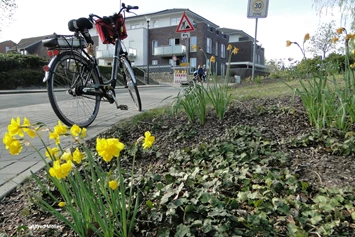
point(209, 45)
point(174, 21)
point(193, 64)
point(7, 48)
point(134, 26)
point(174, 41)
point(223, 51)
point(154, 62)
point(193, 41)
point(154, 45)
point(216, 48)
point(223, 69)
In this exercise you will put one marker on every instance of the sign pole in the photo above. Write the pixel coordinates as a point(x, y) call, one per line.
point(254, 50)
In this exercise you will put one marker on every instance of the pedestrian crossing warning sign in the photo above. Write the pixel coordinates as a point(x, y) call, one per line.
point(184, 25)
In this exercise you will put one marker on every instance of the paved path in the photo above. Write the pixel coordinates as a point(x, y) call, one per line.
point(15, 169)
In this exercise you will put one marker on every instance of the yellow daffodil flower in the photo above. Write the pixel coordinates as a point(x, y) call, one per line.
point(306, 37)
point(229, 48)
point(335, 39)
point(27, 128)
point(352, 65)
point(213, 59)
point(75, 130)
point(52, 152)
point(66, 156)
point(83, 132)
point(7, 140)
point(78, 156)
point(14, 127)
point(148, 140)
point(340, 30)
point(113, 184)
point(235, 50)
point(15, 147)
point(288, 43)
point(62, 204)
point(60, 171)
point(55, 136)
point(60, 128)
point(108, 148)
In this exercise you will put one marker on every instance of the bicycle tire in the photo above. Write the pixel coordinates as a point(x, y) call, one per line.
point(68, 71)
point(129, 77)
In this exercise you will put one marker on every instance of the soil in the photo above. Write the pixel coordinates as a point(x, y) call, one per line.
point(274, 118)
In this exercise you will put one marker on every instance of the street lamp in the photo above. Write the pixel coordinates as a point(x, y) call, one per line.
point(148, 20)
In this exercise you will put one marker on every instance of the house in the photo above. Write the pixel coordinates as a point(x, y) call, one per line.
point(152, 39)
point(6, 45)
point(242, 62)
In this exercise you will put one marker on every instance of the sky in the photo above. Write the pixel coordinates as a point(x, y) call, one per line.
point(286, 19)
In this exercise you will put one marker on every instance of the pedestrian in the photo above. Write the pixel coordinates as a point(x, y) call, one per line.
point(204, 72)
point(200, 73)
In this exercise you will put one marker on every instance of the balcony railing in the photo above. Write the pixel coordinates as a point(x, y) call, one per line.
point(170, 50)
point(104, 54)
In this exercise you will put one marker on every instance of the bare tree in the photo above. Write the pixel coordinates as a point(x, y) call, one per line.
point(8, 8)
point(346, 7)
point(321, 42)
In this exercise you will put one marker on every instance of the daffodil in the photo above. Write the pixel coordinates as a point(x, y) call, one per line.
point(52, 153)
point(288, 43)
point(235, 50)
point(335, 39)
point(14, 127)
point(62, 204)
point(60, 128)
point(108, 148)
point(78, 156)
point(15, 147)
point(213, 59)
point(148, 140)
point(229, 48)
point(66, 156)
point(7, 140)
point(75, 130)
point(352, 65)
point(27, 128)
point(55, 136)
point(83, 132)
point(60, 171)
point(340, 30)
point(113, 184)
point(306, 37)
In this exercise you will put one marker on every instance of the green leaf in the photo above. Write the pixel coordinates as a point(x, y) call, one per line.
point(166, 197)
point(190, 208)
point(182, 230)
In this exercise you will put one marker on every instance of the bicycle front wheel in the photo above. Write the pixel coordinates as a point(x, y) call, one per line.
point(68, 74)
point(131, 81)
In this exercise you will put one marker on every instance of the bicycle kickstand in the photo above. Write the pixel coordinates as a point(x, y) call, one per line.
point(121, 107)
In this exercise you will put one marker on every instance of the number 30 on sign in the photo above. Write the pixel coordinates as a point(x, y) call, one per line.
point(257, 8)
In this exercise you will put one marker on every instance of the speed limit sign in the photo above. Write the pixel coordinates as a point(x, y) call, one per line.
point(257, 8)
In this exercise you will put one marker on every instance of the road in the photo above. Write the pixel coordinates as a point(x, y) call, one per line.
point(36, 107)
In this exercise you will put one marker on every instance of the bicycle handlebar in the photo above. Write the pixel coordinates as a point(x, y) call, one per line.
point(124, 7)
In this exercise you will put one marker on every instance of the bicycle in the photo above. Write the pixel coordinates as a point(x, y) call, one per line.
point(74, 82)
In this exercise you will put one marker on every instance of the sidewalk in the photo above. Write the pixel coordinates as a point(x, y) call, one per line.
point(15, 169)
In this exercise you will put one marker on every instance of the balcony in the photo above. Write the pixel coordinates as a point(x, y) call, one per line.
point(170, 50)
point(104, 54)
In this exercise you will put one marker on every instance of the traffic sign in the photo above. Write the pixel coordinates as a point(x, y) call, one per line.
point(184, 25)
point(185, 35)
point(257, 8)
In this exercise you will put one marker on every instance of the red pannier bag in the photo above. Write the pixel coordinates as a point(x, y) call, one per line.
point(107, 33)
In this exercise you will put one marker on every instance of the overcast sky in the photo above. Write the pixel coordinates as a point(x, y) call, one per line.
point(286, 20)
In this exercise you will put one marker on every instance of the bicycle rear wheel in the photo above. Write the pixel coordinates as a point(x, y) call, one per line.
point(131, 83)
point(69, 72)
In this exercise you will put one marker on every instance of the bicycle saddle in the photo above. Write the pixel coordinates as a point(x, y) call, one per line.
point(79, 24)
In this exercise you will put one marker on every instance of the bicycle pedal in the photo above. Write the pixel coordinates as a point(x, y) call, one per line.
point(122, 107)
